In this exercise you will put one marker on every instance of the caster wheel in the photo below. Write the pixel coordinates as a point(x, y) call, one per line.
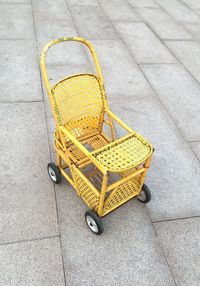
point(145, 195)
point(54, 173)
point(94, 222)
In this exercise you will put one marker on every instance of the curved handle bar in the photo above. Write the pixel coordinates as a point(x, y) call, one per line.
point(76, 39)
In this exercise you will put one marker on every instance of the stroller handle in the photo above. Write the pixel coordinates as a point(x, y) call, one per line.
point(56, 41)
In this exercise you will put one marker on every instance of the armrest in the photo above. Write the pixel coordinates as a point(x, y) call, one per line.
point(119, 121)
point(83, 149)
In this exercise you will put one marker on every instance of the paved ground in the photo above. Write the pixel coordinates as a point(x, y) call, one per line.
point(150, 55)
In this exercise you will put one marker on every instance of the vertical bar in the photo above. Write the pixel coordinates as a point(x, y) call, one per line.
point(102, 194)
point(146, 166)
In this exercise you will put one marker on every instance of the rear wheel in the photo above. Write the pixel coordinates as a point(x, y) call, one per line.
point(54, 173)
point(145, 195)
point(94, 222)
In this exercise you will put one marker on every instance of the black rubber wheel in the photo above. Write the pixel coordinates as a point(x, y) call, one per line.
point(94, 222)
point(54, 173)
point(145, 195)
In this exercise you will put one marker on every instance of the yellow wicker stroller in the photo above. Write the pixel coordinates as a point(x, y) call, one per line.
point(105, 171)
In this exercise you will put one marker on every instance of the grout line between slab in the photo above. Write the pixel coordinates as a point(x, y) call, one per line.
point(28, 240)
point(146, 64)
point(172, 17)
point(194, 141)
point(74, 22)
point(176, 219)
point(49, 148)
point(163, 252)
point(190, 8)
point(181, 23)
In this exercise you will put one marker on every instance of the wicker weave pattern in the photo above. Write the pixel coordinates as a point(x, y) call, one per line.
point(95, 142)
point(125, 154)
point(79, 104)
point(121, 194)
point(88, 195)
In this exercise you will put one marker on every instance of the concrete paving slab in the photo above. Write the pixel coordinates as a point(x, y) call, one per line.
point(179, 11)
point(120, 74)
point(32, 263)
point(27, 208)
point(143, 3)
point(63, 53)
point(196, 148)
point(118, 10)
point(92, 23)
point(127, 248)
point(173, 177)
point(188, 52)
point(144, 44)
point(47, 30)
point(16, 1)
point(180, 241)
point(83, 2)
point(163, 25)
point(16, 22)
point(194, 29)
point(20, 80)
point(53, 10)
point(180, 94)
point(193, 4)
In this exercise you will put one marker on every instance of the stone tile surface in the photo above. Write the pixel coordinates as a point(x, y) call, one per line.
point(20, 80)
point(180, 241)
point(92, 23)
point(83, 2)
point(173, 160)
point(193, 4)
point(121, 75)
point(162, 24)
point(53, 10)
point(27, 199)
point(143, 3)
point(196, 148)
point(179, 11)
point(32, 263)
point(16, 22)
point(194, 29)
point(188, 53)
point(144, 44)
point(118, 10)
point(15, 2)
point(64, 53)
point(180, 94)
point(133, 250)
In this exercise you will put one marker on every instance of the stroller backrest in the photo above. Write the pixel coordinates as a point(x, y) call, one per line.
point(79, 104)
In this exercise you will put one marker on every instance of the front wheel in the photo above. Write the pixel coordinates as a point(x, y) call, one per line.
point(94, 222)
point(145, 195)
point(54, 173)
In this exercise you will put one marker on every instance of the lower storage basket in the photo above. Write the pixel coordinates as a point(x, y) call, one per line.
point(113, 199)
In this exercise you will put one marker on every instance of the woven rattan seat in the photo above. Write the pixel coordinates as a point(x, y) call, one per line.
point(124, 154)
